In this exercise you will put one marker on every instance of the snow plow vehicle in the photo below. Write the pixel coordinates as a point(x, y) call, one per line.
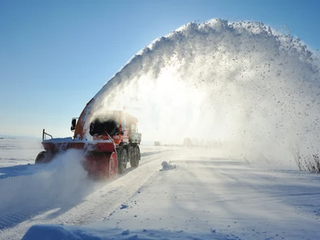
point(108, 145)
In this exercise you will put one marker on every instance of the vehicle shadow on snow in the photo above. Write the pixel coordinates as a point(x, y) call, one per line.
point(49, 192)
point(26, 197)
point(17, 170)
point(79, 195)
point(53, 189)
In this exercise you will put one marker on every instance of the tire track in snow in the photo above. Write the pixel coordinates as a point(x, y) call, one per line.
point(25, 196)
point(104, 201)
point(93, 201)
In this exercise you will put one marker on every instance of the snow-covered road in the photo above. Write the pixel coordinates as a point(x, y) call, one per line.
point(204, 194)
point(196, 194)
point(61, 193)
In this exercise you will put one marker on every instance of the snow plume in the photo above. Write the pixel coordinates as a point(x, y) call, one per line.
point(62, 182)
point(66, 174)
point(64, 179)
point(240, 83)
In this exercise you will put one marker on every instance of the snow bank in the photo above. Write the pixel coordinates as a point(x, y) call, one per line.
point(167, 166)
point(242, 84)
point(54, 232)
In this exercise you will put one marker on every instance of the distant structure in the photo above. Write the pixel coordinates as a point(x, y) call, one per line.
point(187, 142)
point(157, 143)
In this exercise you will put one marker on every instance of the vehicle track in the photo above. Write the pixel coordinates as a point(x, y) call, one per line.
point(83, 204)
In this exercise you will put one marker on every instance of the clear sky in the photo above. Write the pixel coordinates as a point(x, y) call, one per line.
point(56, 55)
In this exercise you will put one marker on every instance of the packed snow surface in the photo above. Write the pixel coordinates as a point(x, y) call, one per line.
point(244, 98)
point(175, 193)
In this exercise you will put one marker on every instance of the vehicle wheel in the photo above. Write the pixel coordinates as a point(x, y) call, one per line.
point(132, 156)
point(42, 157)
point(138, 153)
point(135, 157)
point(122, 160)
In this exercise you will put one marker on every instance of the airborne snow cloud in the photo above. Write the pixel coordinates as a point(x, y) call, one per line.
point(240, 83)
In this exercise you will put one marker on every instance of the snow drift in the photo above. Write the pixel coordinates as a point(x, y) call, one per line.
point(240, 83)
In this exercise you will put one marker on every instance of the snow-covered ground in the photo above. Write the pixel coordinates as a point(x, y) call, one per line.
point(175, 193)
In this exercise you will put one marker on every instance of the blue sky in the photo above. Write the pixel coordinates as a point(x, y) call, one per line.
point(56, 55)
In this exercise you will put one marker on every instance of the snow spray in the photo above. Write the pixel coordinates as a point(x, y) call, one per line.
point(241, 84)
point(62, 181)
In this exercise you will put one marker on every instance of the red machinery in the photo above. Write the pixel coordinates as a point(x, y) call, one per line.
point(111, 142)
